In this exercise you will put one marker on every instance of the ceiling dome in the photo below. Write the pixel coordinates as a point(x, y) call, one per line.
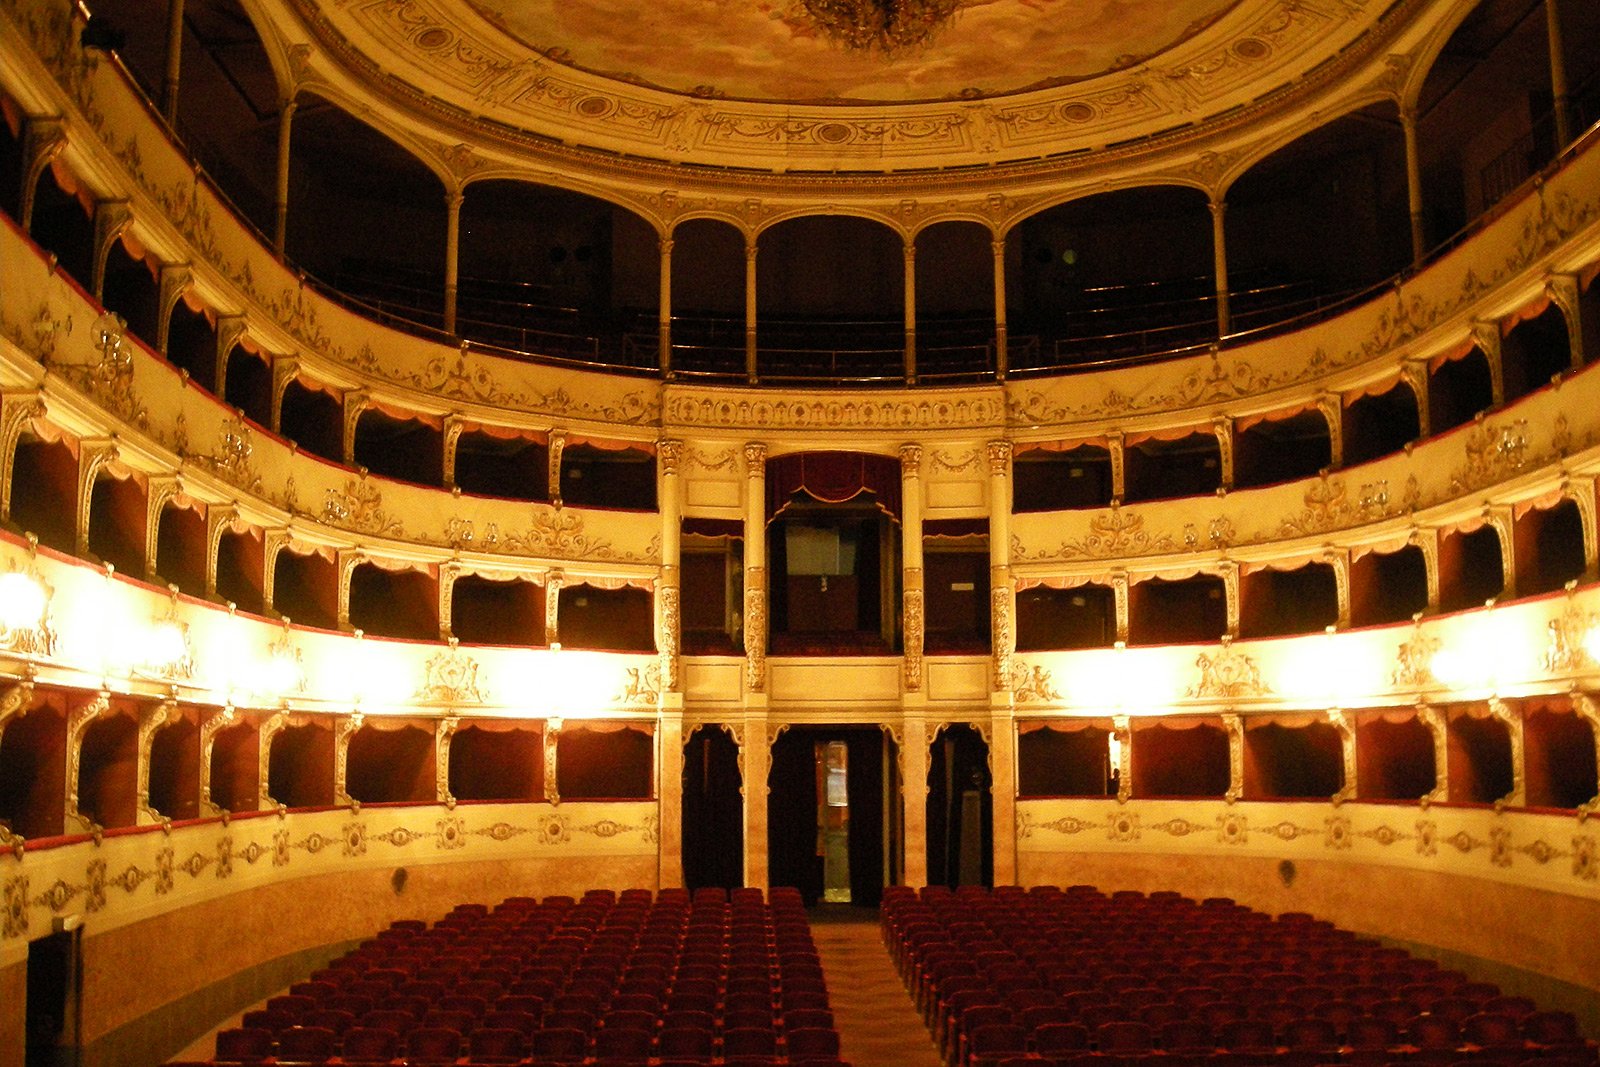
point(802, 50)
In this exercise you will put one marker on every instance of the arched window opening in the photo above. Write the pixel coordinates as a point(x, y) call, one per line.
point(1481, 771)
point(365, 215)
point(617, 620)
point(1162, 469)
point(514, 467)
point(1065, 759)
point(175, 766)
point(248, 387)
point(711, 580)
point(181, 547)
point(1394, 756)
point(1179, 757)
point(1550, 550)
point(1180, 611)
point(63, 223)
point(131, 289)
point(1380, 425)
point(1458, 389)
point(1129, 272)
point(44, 491)
point(241, 569)
point(391, 764)
point(830, 294)
point(1279, 603)
point(960, 810)
point(312, 418)
point(955, 302)
point(497, 761)
point(1281, 450)
point(192, 345)
point(117, 511)
point(1044, 479)
point(402, 603)
point(305, 588)
point(605, 761)
point(409, 450)
point(236, 766)
point(1320, 219)
point(489, 611)
point(556, 272)
point(708, 265)
point(1471, 568)
point(1083, 616)
point(33, 772)
point(300, 766)
point(108, 780)
point(955, 564)
point(1559, 755)
point(1388, 587)
point(1292, 759)
point(1535, 352)
point(608, 477)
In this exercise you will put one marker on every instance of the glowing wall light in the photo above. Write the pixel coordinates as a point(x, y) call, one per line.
point(24, 615)
point(1486, 651)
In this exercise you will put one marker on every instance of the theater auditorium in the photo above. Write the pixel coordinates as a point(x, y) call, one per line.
point(982, 533)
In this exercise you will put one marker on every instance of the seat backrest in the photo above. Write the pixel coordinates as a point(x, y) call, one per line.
point(686, 1041)
point(812, 1041)
point(369, 1043)
point(1051, 1038)
point(557, 1042)
point(1492, 1030)
point(433, 1042)
point(1123, 1036)
point(1187, 1034)
point(244, 1043)
point(749, 1041)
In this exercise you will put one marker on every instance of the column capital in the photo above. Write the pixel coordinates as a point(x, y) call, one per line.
point(999, 453)
point(669, 453)
point(755, 459)
point(910, 460)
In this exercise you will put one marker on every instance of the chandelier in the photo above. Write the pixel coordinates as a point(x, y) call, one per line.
point(886, 25)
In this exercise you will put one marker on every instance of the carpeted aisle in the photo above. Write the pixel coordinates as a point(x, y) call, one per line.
point(877, 1022)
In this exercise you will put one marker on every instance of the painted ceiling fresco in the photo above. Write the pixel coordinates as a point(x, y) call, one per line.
point(777, 50)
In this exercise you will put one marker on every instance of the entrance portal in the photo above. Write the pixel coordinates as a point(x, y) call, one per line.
point(960, 809)
point(830, 827)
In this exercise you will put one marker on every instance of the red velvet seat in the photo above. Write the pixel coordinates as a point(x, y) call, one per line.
point(244, 1045)
point(497, 1045)
point(811, 1041)
point(559, 1044)
point(433, 1044)
point(622, 1043)
point(365, 1044)
point(987, 1045)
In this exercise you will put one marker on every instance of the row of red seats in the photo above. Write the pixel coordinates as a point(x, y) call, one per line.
point(636, 980)
point(1006, 973)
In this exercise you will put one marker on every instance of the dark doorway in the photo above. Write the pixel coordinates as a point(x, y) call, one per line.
point(794, 843)
point(960, 809)
point(53, 995)
point(713, 810)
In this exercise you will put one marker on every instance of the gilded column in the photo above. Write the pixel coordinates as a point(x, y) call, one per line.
point(1419, 240)
point(1332, 410)
point(664, 307)
point(556, 449)
point(1487, 336)
point(552, 740)
point(452, 255)
point(552, 605)
point(42, 139)
point(912, 625)
point(755, 569)
point(1584, 706)
point(1121, 601)
point(444, 732)
point(111, 217)
point(1414, 373)
point(1222, 426)
point(1234, 725)
point(1002, 596)
point(280, 216)
point(750, 309)
point(450, 447)
point(668, 617)
point(1219, 252)
point(213, 724)
point(1566, 294)
point(1002, 355)
point(284, 370)
point(174, 281)
point(356, 401)
point(1117, 453)
point(910, 251)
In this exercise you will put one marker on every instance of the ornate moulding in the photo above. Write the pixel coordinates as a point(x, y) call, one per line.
point(479, 85)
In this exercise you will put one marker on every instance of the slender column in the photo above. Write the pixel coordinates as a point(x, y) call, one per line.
point(1222, 427)
point(450, 449)
point(280, 218)
point(910, 251)
point(1558, 74)
point(1117, 452)
point(668, 455)
point(452, 255)
point(1234, 725)
point(750, 308)
point(1120, 594)
point(1346, 726)
point(1002, 356)
point(1219, 252)
point(556, 447)
point(1001, 594)
point(1408, 127)
point(914, 798)
point(169, 80)
point(664, 308)
point(912, 628)
point(444, 732)
point(755, 569)
point(552, 604)
point(757, 770)
point(1003, 773)
point(344, 729)
point(669, 787)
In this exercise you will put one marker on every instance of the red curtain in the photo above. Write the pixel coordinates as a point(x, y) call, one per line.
point(833, 478)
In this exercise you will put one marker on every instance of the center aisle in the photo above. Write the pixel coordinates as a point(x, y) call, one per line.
point(878, 1024)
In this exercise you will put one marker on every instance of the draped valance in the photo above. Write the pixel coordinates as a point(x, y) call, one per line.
point(833, 478)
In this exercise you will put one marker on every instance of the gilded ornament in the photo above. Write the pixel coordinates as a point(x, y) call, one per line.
point(1227, 675)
